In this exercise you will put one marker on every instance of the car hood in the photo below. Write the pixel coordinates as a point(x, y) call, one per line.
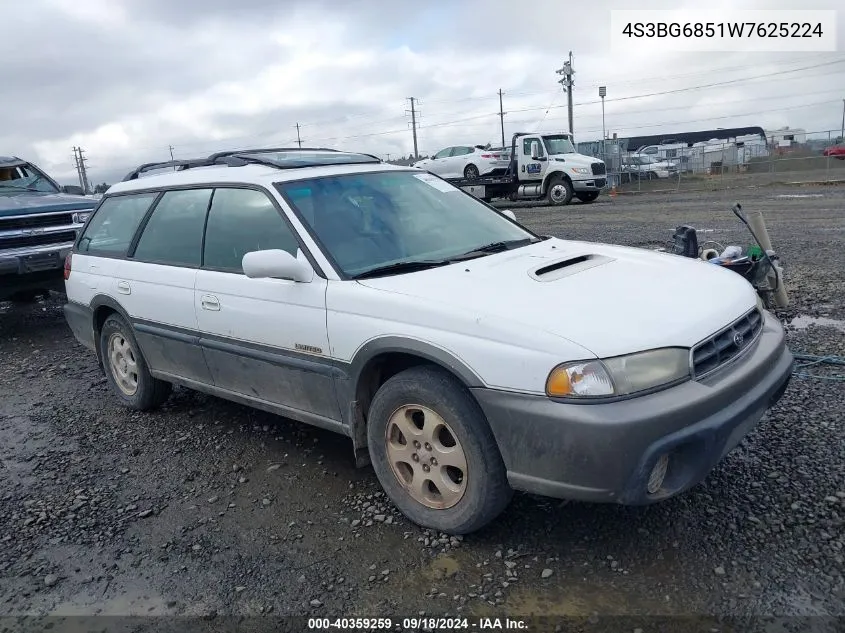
point(610, 300)
point(575, 160)
point(27, 202)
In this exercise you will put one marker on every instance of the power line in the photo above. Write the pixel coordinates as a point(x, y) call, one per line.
point(718, 83)
point(716, 118)
point(344, 119)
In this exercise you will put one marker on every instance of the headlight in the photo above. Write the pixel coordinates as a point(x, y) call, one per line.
point(580, 170)
point(618, 376)
point(79, 218)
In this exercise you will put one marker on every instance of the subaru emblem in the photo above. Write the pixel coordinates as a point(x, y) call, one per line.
point(739, 339)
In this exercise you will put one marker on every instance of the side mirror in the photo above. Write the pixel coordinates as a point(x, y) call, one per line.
point(74, 190)
point(276, 264)
point(509, 213)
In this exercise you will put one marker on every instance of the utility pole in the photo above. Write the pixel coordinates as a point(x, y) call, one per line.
point(567, 81)
point(603, 94)
point(78, 170)
point(502, 114)
point(414, 124)
point(170, 147)
point(842, 132)
point(78, 156)
point(298, 140)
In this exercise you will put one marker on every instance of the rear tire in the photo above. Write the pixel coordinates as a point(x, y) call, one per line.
point(471, 171)
point(434, 453)
point(559, 192)
point(126, 370)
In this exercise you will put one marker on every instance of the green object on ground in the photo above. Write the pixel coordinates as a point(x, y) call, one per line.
point(755, 252)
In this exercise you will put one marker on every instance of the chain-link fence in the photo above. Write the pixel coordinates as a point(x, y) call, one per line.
point(815, 157)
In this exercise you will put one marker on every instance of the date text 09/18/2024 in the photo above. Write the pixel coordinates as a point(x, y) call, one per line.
point(417, 623)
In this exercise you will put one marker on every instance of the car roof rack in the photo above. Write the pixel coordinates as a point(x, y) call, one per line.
point(241, 157)
point(180, 164)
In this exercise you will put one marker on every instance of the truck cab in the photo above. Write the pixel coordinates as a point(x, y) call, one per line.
point(39, 222)
point(548, 165)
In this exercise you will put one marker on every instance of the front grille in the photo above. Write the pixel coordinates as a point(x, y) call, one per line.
point(600, 182)
point(599, 169)
point(727, 344)
point(36, 221)
point(43, 239)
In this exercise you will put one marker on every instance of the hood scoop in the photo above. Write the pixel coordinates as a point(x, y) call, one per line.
point(568, 266)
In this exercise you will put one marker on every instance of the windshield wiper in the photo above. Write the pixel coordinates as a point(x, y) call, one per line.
point(494, 247)
point(402, 267)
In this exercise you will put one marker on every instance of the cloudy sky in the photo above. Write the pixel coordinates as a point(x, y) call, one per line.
point(128, 79)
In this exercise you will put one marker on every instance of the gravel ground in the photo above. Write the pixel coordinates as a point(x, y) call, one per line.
point(209, 508)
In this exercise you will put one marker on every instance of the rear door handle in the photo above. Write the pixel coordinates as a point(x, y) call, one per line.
point(123, 287)
point(210, 302)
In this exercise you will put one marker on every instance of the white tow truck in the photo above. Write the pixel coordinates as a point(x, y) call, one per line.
point(542, 166)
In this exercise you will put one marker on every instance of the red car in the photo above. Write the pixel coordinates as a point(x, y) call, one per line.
point(837, 151)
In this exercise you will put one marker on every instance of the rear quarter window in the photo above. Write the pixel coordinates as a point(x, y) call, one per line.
point(113, 225)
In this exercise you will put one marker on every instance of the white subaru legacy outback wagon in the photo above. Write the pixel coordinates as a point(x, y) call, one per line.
point(464, 355)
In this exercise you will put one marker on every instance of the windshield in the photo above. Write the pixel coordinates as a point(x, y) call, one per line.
point(24, 177)
point(558, 144)
point(644, 160)
point(371, 220)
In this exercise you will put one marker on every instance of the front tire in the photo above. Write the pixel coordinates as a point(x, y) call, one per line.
point(126, 370)
point(434, 453)
point(559, 192)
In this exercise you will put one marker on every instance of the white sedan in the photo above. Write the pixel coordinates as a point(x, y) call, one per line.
point(462, 161)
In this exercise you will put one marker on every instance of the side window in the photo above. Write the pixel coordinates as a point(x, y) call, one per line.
point(241, 221)
point(460, 151)
point(526, 146)
point(443, 153)
point(113, 226)
point(173, 234)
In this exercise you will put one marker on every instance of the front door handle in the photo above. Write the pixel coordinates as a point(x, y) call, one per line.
point(124, 288)
point(210, 302)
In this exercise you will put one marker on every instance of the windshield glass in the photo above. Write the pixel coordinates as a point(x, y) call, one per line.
point(16, 178)
point(558, 144)
point(370, 220)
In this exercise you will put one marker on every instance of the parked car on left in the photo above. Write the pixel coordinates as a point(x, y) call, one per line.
point(39, 222)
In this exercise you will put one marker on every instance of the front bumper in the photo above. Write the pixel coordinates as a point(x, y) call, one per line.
point(595, 184)
point(35, 268)
point(605, 452)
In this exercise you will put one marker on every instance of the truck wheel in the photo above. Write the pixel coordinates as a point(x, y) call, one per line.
point(587, 196)
point(652, 175)
point(434, 453)
point(126, 370)
point(559, 192)
point(470, 171)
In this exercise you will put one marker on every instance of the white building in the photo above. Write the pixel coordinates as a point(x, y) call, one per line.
point(786, 137)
